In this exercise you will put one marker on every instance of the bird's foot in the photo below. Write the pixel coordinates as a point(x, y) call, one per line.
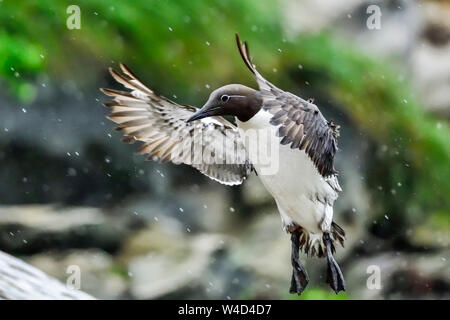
point(335, 277)
point(300, 278)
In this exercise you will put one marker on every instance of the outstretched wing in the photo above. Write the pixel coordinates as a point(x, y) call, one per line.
point(211, 145)
point(300, 122)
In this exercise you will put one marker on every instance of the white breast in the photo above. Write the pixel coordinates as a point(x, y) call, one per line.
point(301, 193)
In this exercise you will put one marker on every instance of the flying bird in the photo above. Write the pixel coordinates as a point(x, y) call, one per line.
point(300, 175)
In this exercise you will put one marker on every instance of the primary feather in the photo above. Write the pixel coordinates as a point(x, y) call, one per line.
point(301, 124)
point(212, 145)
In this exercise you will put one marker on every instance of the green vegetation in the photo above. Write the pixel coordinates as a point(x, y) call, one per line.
point(172, 46)
point(184, 49)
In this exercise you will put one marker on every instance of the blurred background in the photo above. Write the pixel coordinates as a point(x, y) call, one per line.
point(72, 194)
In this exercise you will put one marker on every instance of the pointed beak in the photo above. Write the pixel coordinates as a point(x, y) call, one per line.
point(202, 113)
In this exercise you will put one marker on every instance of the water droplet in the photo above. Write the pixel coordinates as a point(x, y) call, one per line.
point(71, 172)
point(160, 173)
point(207, 43)
point(170, 29)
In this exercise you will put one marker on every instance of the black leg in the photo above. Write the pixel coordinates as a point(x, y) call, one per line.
point(300, 278)
point(334, 275)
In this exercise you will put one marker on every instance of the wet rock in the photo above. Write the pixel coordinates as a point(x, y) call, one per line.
point(431, 67)
point(401, 276)
point(30, 229)
point(163, 235)
point(98, 275)
point(50, 217)
point(198, 211)
point(21, 281)
point(156, 275)
point(430, 237)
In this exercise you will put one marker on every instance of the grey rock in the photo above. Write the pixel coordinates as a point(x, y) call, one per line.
point(96, 267)
point(156, 275)
point(20, 281)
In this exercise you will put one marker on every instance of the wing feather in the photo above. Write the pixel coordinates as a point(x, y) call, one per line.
point(300, 122)
point(212, 145)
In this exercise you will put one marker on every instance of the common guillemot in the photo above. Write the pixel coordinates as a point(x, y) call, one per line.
point(303, 182)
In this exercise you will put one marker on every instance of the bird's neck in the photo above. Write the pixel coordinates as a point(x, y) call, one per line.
point(250, 106)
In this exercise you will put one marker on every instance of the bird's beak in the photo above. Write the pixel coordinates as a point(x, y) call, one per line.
point(203, 113)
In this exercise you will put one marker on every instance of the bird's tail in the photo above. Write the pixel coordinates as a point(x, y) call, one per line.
point(312, 243)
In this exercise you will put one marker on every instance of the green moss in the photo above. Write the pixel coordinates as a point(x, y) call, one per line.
point(119, 271)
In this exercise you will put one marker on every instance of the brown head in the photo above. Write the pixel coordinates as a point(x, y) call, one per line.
point(231, 100)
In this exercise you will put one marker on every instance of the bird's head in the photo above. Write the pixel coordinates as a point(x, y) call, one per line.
point(231, 100)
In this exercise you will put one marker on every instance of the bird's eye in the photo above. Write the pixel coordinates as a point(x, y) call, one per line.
point(224, 98)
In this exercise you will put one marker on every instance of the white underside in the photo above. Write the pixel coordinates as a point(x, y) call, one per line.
point(301, 193)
